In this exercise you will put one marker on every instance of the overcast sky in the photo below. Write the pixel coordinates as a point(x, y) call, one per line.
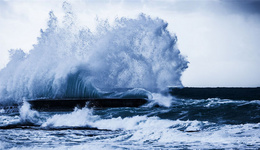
point(220, 38)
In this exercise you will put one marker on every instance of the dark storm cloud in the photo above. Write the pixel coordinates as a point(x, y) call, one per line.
point(241, 7)
point(244, 6)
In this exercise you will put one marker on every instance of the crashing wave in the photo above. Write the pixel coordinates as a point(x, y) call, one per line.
point(70, 61)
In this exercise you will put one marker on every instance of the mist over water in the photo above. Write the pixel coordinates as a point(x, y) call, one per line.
point(73, 61)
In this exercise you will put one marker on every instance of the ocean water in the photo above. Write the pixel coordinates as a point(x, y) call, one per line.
point(131, 58)
point(176, 124)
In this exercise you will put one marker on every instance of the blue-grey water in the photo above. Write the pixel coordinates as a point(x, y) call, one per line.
point(174, 124)
point(69, 61)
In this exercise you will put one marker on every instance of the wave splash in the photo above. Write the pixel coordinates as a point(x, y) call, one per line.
point(140, 129)
point(70, 61)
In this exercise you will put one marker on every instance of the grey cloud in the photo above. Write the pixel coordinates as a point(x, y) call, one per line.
point(241, 7)
point(244, 6)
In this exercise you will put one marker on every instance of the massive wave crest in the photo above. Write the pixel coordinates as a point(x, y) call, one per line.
point(70, 61)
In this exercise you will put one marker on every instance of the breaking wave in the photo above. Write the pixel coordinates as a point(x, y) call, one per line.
point(71, 61)
point(142, 130)
point(199, 124)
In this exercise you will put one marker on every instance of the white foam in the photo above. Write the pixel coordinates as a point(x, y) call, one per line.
point(5, 120)
point(27, 115)
point(79, 117)
point(163, 131)
point(70, 61)
point(140, 130)
point(2, 111)
point(162, 100)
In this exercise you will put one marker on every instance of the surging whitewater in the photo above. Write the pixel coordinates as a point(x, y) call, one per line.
point(129, 58)
point(70, 61)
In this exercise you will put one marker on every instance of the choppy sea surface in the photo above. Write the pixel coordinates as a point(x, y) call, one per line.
point(69, 60)
point(163, 123)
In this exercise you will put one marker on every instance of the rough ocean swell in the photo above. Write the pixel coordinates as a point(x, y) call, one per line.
point(129, 58)
point(185, 124)
point(69, 61)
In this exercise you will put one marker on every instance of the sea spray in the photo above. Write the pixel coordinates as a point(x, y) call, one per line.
point(28, 116)
point(161, 100)
point(70, 61)
point(142, 130)
point(135, 128)
point(78, 118)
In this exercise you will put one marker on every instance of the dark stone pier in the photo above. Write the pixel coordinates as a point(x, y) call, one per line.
point(68, 104)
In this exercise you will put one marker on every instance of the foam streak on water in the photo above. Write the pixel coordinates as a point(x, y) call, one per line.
point(122, 128)
point(133, 58)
